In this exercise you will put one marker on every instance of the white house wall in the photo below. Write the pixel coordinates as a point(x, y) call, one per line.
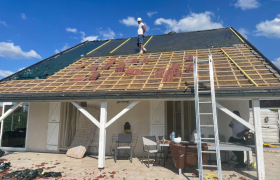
point(37, 127)
point(138, 117)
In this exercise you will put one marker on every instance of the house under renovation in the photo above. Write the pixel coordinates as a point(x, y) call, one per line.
point(85, 95)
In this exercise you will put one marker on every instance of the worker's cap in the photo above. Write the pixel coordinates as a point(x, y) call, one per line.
point(236, 112)
point(139, 19)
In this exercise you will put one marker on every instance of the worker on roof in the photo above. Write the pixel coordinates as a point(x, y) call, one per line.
point(238, 130)
point(141, 34)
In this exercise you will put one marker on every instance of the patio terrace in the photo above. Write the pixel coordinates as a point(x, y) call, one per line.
point(86, 168)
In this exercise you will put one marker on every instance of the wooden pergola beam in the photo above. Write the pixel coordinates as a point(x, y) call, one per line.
point(87, 114)
point(245, 123)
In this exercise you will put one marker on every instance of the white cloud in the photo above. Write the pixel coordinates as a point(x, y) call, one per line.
point(88, 38)
point(9, 50)
point(277, 62)
point(121, 34)
point(73, 30)
point(247, 4)
point(151, 13)
point(192, 22)
point(3, 22)
point(66, 46)
point(243, 32)
point(130, 21)
point(269, 28)
point(4, 73)
point(23, 16)
point(21, 68)
point(107, 34)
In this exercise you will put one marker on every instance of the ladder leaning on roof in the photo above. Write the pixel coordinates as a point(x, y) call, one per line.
point(213, 114)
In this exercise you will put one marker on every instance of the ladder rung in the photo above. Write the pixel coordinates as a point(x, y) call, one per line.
point(206, 114)
point(212, 152)
point(206, 91)
point(202, 71)
point(206, 126)
point(208, 139)
point(203, 81)
point(202, 61)
point(209, 165)
point(205, 102)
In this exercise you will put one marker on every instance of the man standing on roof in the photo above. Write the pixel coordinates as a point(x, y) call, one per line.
point(141, 34)
point(238, 130)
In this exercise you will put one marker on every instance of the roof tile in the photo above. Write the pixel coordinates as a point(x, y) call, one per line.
point(189, 58)
point(93, 68)
point(94, 76)
point(120, 68)
point(145, 60)
point(80, 67)
point(189, 68)
point(134, 61)
point(138, 72)
point(159, 73)
point(168, 76)
point(111, 61)
point(106, 67)
point(129, 71)
point(178, 74)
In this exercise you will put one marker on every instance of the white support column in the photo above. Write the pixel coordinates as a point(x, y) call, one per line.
point(102, 135)
point(258, 138)
point(14, 107)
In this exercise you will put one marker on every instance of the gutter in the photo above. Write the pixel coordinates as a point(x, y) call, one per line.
point(221, 93)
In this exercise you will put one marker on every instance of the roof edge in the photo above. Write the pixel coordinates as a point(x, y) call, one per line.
point(255, 49)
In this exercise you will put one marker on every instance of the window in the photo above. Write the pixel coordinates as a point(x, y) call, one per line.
point(14, 127)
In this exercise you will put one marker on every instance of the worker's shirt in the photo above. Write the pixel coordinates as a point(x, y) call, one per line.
point(237, 127)
point(140, 29)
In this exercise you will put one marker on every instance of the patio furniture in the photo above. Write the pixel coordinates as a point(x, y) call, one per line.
point(126, 139)
point(184, 155)
point(167, 150)
point(150, 142)
point(115, 140)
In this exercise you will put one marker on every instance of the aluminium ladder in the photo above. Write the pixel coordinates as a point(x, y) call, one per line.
point(213, 114)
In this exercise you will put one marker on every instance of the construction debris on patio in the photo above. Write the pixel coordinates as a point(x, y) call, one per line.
point(26, 174)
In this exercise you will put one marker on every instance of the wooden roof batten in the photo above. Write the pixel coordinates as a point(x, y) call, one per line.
point(233, 67)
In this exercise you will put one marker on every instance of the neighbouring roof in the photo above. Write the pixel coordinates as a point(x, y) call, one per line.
point(115, 67)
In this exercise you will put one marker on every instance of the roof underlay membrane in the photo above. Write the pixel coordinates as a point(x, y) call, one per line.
point(50, 66)
point(172, 42)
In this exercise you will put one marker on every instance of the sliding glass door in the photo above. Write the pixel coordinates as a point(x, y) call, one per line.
point(14, 127)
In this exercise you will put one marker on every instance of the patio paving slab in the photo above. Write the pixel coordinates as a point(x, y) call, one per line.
point(86, 168)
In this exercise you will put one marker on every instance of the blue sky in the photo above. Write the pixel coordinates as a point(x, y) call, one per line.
point(34, 30)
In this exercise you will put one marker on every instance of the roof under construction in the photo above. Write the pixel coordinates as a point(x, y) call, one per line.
point(115, 66)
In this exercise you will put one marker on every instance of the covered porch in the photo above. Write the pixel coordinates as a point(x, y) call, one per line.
point(147, 117)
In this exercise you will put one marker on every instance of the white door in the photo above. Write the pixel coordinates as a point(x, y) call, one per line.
point(53, 126)
point(157, 118)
